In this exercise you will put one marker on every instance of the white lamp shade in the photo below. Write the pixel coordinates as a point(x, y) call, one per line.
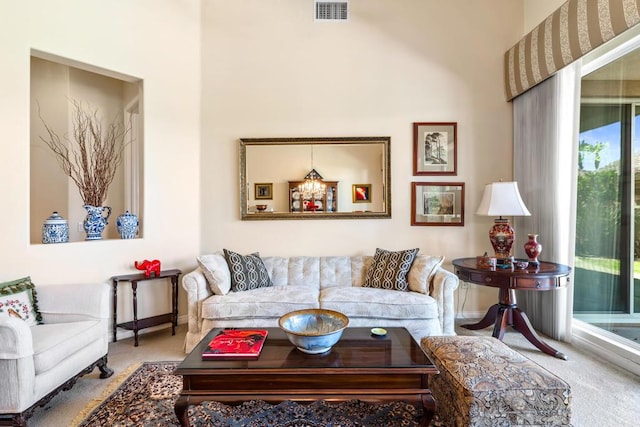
point(502, 199)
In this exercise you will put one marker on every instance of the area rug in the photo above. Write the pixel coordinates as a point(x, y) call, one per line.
point(145, 394)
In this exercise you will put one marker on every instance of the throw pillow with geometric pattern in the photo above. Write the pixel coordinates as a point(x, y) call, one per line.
point(247, 271)
point(389, 269)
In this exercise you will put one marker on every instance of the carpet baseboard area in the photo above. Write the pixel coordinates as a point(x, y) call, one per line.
point(145, 394)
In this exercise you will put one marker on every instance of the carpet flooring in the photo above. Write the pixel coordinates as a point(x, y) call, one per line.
point(604, 395)
point(147, 395)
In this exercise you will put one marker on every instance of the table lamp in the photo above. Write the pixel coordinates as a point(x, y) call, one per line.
point(502, 199)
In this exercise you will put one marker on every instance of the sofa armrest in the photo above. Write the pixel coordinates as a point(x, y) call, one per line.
point(72, 303)
point(195, 284)
point(15, 336)
point(17, 368)
point(443, 285)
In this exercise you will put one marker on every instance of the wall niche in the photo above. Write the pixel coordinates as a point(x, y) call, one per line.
point(55, 83)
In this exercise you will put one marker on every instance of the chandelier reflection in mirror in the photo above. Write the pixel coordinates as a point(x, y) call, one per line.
point(312, 187)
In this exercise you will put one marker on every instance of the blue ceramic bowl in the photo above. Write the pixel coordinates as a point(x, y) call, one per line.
point(314, 330)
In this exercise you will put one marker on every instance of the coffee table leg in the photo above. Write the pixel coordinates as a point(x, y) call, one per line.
point(181, 409)
point(428, 409)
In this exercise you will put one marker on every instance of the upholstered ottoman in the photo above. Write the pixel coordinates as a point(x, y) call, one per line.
point(482, 382)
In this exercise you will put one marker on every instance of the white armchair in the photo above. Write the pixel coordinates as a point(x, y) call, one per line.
point(37, 362)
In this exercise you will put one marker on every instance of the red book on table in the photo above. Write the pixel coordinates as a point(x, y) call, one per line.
point(236, 343)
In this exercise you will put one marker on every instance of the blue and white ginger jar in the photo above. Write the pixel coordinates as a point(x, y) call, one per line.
point(127, 225)
point(55, 229)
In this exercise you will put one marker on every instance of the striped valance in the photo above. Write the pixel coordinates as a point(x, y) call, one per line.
point(573, 30)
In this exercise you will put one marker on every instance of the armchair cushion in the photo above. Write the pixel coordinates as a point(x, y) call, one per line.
point(18, 299)
point(48, 352)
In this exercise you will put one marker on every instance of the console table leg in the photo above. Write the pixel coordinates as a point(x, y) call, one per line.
point(523, 325)
point(114, 327)
point(134, 289)
point(489, 319)
point(174, 304)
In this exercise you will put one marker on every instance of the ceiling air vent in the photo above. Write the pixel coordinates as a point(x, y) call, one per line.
point(332, 10)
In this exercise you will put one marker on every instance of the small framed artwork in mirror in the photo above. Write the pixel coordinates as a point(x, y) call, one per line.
point(437, 203)
point(263, 191)
point(361, 193)
point(435, 148)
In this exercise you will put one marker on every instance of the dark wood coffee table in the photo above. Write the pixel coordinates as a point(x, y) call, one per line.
point(360, 366)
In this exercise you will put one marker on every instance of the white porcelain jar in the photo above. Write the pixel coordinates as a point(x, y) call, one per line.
point(55, 229)
point(127, 225)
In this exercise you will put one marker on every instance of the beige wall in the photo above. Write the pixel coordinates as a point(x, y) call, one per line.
point(270, 71)
point(536, 11)
point(156, 40)
point(267, 71)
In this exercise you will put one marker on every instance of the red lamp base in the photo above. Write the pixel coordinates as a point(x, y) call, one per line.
point(502, 237)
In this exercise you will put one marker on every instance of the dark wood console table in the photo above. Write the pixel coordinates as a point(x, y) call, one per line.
point(138, 324)
point(546, 276)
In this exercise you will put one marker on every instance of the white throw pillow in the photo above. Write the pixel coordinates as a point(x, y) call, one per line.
point(216, 271)
point(421, 272)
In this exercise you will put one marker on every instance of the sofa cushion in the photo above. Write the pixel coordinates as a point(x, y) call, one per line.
point(216, 271)
point(18, 299)
point(421, 272)
point(268, 302)
point(389, 269)
point(55, 342)
point(378, 303)
point(247, 271)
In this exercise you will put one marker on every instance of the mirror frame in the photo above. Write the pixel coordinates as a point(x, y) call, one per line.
point(244, 208)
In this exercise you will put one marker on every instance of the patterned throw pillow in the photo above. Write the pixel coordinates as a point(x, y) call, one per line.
point(18, 299)
point(389, 269)
point(247, 271)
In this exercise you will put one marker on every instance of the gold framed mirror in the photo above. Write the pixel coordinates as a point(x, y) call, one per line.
point(312, 178)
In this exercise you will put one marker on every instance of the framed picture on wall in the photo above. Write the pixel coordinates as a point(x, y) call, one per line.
point(264, 191)
point(435, 148)
point(361, 193)
point(437, 203)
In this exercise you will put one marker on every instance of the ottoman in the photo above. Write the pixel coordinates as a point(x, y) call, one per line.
point(482, 382)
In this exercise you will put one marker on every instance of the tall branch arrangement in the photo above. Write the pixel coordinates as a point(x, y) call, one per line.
point(92, 156)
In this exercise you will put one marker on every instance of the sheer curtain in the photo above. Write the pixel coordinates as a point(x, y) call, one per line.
point(545, 167)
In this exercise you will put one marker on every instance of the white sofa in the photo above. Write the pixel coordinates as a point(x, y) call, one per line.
point(331, 282)
point(36, 362)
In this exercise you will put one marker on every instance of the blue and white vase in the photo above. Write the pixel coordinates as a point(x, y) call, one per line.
point(55, 229)
point(127, 225)
point(95, 221)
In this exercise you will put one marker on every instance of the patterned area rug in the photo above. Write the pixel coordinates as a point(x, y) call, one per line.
point(146, 398)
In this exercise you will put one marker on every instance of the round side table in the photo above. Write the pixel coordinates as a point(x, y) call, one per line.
point(544, 277)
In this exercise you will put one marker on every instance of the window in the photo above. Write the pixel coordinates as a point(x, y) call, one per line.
point(607, 270)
